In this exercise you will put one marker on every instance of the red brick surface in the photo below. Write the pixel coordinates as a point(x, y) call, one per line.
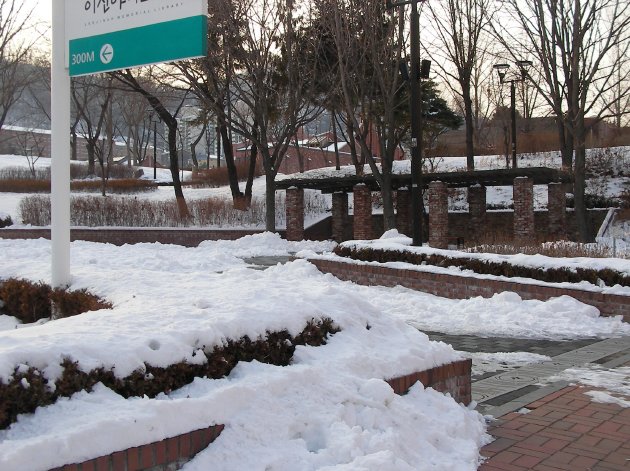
point(295, 214)
point(163, 455)
point(362, 212)
point(452, 378)
point(438, 215)
point(524, 230)
point(563, 431)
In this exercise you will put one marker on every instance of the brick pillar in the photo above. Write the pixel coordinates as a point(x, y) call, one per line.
point(557, 211)
point(295, 213)
point(339, 216)
point(477, 212)
point(524, 230)
point(403, 211)
point(362, 212)
point(438, 215)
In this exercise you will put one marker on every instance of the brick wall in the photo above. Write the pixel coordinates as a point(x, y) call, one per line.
point(339, 216)
point(166, 455)
point(477, 197)
point(524, 224)
point(452, 378)
point(295, 213)
point(461, 287)
point(438, 215)
point(184, 236)
point(362, 213)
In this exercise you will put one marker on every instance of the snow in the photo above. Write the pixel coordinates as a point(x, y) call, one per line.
point(502, 361)
point(330, 409)
point(613, 382)
point(8, 323)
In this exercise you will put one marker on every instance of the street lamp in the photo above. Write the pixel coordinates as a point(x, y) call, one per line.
point(153, 119)
point(416, 118)
point(502, 72)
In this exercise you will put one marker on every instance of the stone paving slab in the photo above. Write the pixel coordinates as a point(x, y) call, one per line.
point(564, 430)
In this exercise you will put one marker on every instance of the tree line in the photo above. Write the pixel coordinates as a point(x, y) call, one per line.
point(274, 66)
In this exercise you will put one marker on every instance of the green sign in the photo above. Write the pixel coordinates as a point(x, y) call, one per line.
point(160, 42)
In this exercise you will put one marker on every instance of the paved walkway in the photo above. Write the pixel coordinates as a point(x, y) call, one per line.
point(565, 430)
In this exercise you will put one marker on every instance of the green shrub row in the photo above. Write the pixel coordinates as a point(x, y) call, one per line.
point(5, 221)
point(485, 267)
point(30, 302)
point(28, 390)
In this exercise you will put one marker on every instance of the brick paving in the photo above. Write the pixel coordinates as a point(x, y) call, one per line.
point(565, 430)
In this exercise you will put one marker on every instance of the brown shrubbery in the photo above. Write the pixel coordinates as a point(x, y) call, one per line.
point(43, 186)
point(30, 302)
point(89, 211)
point(28, 389)
point(553, 275)
point(77, 171)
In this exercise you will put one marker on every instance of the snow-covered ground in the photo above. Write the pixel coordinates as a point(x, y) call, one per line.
point(329, 410)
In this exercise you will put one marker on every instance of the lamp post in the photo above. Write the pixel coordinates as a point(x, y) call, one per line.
point(502, 69)
point(416, 118)
point(155, 149)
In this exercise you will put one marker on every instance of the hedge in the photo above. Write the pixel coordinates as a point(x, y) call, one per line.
point(28, 389)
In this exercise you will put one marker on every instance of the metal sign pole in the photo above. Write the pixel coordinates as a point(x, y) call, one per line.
point(60, 151)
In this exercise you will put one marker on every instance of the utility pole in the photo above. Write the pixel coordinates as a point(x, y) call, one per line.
point(416, 120)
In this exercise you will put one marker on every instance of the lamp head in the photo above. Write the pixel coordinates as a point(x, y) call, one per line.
point(501, 70)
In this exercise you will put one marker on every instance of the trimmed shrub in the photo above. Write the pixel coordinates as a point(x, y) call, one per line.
point(30, 302)
point(28, 389)
point(5, 221)
point(485, 267)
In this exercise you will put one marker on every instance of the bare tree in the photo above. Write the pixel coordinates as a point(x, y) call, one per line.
point(211, 78)
point(168, 115)
point(459, 27)
point(135, 128)
point(369, 50)
point(14, 51)
point(90, 98)
point(575, 44)
point(269, 83)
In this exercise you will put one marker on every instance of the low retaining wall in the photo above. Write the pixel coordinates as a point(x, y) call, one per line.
point(461, 287)
point(172, 453)
point(178, 236)
point(452, 378)
point(166, 455)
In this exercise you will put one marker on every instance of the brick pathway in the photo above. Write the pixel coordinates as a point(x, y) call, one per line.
point(565, 430)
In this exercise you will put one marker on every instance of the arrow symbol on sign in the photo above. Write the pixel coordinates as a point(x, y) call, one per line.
point(107, 53)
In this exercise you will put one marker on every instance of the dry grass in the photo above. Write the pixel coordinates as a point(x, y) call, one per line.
point(90, 211)
point(559, 249)
point(43, 186)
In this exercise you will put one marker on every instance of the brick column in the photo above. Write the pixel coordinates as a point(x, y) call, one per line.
point(403, 211)
point(295, 213)
point(362, 212)
point(339, 216)
point(477, 212)
point(557, 211)
point(524, 230)
point(438, 215)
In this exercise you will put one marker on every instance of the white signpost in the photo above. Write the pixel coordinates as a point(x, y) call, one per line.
point(91, 36)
